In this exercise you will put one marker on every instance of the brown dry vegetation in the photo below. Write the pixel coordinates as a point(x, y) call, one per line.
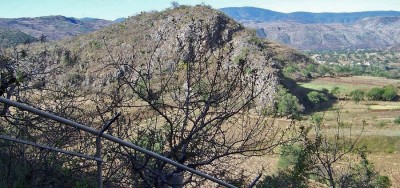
point(381, 135)
point(188, 82)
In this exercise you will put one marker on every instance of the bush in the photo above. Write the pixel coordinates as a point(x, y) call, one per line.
point(294, 165)
point(335, 92)
point(397, 120)
point(387, 93)
point(375, 93)
point(357, 95)
point(299, 162)
point(288, 105)
point(324, 70)
point(290, 69)
point(390, 93)
point(315, 98)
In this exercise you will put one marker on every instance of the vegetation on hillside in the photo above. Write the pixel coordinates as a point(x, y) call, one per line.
point(381, 63)
point(11, 38)
point(318, 159)
point(191, 84)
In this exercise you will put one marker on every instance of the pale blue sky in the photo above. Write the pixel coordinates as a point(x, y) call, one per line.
point(112, 9)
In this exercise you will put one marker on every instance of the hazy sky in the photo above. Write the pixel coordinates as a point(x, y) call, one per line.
point(112, 9)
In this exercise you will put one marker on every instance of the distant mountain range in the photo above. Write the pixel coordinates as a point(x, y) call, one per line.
point(301, 30)
point(53, 27)
point(253, 14)
point(321, 31)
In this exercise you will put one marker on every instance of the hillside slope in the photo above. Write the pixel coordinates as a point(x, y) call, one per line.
point(171, 37)
point(375, 32)
point(323, 31)
point(10, 38)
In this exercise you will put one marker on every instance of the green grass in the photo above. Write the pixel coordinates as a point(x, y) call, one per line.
point(321, 86)
point(348, 84)
point(383, 144)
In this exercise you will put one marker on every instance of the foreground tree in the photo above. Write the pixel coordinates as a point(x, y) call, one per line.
point(199, 108)
point(28, 78)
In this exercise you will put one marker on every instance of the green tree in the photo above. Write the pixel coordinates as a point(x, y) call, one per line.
point(363, 174)
point(288, 105)
point(311, 67)
point(335, 91)
point(324, 70)
point(357, 95)
point(390, 93)
point(293, 168)
point(387, 93)
point(397, 120)
point(316, 98)
point(375, 93)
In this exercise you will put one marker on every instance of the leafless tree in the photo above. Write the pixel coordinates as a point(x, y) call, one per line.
point(197, 108)
point(27, 78)
point(196, 102)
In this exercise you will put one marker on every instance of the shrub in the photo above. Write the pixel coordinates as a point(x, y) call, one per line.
point(397, 120)
point(357, 95)
point(375, 93)
point(364, 175)
point(324, 70)
point(335, 91)
point(315, 98)
point(390, 93)
point(387, 93)
point(294, 165)
point(290, 69)
point(288, 105)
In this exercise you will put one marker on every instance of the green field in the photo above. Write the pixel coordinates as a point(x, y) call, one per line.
point(348, 84)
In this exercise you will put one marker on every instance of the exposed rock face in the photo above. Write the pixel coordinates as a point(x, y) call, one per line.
point(170, 39)
point(377, 32)
point(323, 31)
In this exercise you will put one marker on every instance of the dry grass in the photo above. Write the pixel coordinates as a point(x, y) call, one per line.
point(373, 118)
point(381, 135)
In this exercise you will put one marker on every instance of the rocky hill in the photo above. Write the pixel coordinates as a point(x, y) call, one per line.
point(53, 27)
point(171, 38)
point(323, 31)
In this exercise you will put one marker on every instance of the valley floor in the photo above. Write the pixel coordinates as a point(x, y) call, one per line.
point(373, 119)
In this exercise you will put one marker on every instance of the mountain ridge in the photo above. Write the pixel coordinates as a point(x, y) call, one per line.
point(53, 27)
point(323, 31)
point(255, 14)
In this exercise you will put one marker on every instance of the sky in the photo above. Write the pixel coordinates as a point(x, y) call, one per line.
point(113, 9)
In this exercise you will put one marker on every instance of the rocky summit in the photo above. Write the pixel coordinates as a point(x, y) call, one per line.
point(173, 37)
